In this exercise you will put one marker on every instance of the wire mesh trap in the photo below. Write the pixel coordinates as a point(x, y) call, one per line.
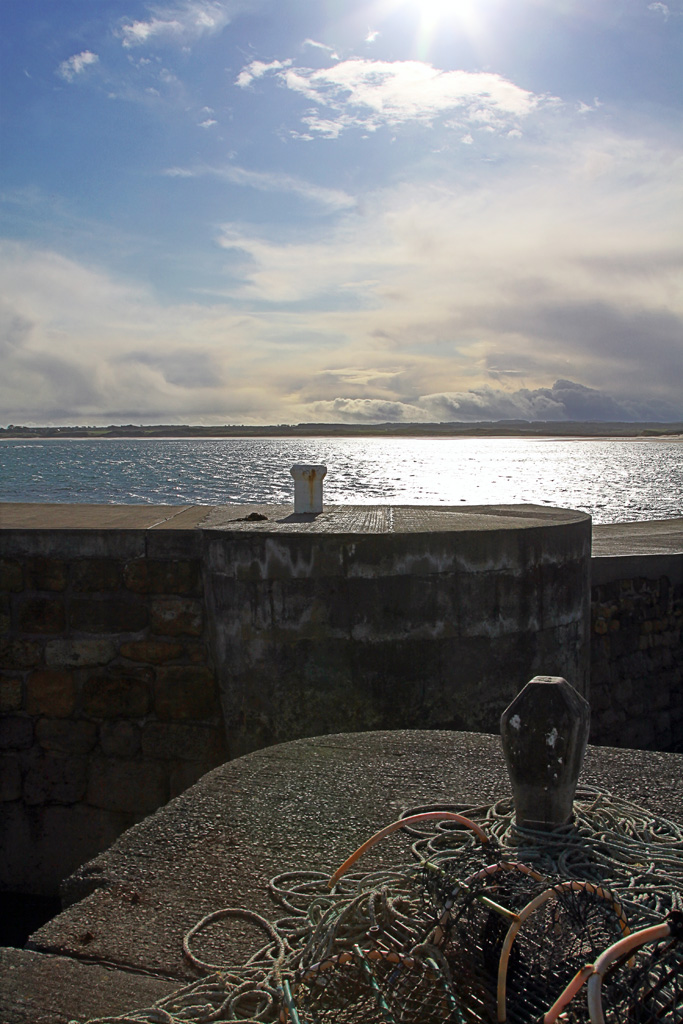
point(371, 986)
point(480, 922)
point(639, 980)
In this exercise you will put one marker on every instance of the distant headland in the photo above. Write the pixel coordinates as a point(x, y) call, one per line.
point(498, 428)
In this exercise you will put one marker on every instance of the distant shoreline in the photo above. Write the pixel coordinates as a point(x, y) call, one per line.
point(570, 430)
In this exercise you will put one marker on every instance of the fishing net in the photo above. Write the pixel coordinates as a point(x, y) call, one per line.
point(649, 992)
point(478, 921)
point(375, 986)
point(640, 979)
point(557, 933)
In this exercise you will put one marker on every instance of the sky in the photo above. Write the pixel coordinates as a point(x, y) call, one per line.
point(287, 211)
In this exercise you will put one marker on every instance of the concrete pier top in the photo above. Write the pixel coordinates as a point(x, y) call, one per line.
point(306, 804)
point(649, 537)
point(66, 516)
point(342, 519)
point(391, 519)
point(663, 536)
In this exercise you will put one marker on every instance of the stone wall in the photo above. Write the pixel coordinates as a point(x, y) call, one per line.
point(119, 639)
point(637, 652)
point(107, 693)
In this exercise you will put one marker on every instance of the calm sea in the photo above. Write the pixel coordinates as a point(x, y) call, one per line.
point(614, 480)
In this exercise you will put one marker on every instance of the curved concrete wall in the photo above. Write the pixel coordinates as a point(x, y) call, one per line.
point(124, 628)
point(392, 617)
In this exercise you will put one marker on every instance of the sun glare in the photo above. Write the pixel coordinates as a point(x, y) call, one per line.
point(436, 17)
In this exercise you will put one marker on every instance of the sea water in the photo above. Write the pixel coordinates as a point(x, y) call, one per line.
point(614, 480)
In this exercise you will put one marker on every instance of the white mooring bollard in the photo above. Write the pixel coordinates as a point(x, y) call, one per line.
point(308, 488)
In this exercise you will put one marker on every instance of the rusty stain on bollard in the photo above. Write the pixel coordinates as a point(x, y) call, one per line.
point(308, 488)
point(545, 732)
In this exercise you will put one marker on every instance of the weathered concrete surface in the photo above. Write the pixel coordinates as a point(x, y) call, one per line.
point(649, 537)
point(382, 616)
point(63, 516)
point(305, 804)
point(44, 989)
point(647, 550)
point(66, 744)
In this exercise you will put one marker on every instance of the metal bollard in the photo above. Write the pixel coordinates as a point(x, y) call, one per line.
point(308, 488)
point(544, 733)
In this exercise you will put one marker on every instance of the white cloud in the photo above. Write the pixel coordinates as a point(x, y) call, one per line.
point(180, 23)
point(563, 400)
point(209, 123)
point(268, 181)
point(322, 46)
point(76, 65)
point(555, 295)
point(257, 69)
point(660, 8)
point(571, 274)
point(368, 94)
point(77, 345)
point(371, 36)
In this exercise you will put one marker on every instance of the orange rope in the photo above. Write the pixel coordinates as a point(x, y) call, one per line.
point(414, 819)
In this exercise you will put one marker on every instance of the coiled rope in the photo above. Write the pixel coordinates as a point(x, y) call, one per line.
point(397, 911)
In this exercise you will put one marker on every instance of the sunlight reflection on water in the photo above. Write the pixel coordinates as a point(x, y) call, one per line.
point(616, 481)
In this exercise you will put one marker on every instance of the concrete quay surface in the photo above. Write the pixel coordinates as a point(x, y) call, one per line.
point(661, 536)
point(300, 805)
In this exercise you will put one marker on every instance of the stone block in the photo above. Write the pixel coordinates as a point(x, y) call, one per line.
point(116, 614)
point(19, 654)
point(10, 779)
point(10, 694)
point(11, 575)
point(65, 737)
point(16, 733)
point(96, 574)
point(613, 718)
point(196, 653)
point(175, 741)
point(152, 652)
point(660, 697)
point(131, 786)
point(185, 692)
point(663, 730)
point(120, 692)
point(152, 576)
point(43, 573)
point(79, 653)
point(639, 734)
point(41, 615)
point(176, 616)
point(51, 692)
point(120, 739)
point(55, 779)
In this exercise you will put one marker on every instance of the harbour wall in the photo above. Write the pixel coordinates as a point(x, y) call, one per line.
point(141, 648)
point(636, 658)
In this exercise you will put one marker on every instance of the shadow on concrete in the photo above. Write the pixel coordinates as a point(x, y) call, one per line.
point(23, 913)
point(300, 517)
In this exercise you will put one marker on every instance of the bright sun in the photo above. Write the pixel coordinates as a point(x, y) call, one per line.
point(436, 16)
